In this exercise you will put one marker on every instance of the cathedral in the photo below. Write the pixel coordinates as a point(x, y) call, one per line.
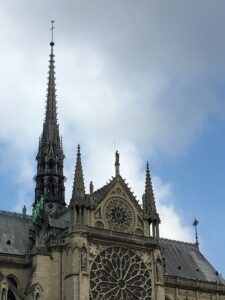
point(104, 245)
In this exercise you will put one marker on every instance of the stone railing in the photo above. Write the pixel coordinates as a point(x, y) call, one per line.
point(56, 242)
point(103, 233)
point(111, 233)
point(194, 284)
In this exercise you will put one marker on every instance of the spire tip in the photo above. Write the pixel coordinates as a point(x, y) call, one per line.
point(78, 149)
point(52, 30)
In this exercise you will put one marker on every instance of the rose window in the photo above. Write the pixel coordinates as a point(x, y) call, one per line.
point(119, 215)
point(119, 274)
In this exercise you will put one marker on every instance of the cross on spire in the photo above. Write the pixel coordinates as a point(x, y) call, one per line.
point(52, 30)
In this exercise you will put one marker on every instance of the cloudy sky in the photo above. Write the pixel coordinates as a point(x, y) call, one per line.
point(144, 77)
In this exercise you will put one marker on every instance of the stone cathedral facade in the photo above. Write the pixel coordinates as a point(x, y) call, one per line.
point(103, 246)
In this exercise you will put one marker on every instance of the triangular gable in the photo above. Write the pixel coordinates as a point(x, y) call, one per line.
point(100, 194)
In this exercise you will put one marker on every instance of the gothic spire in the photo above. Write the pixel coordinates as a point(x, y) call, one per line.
point(78, 184)
point(50, 157)
point(51, 128)
point(149, 199)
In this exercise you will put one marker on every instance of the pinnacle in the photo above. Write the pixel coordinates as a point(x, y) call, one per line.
point(149, 207)
point(78, 185)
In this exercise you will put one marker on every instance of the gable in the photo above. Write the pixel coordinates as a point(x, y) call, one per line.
point(99, 195)
point(117, 209)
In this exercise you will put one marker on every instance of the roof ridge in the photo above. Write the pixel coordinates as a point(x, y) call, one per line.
point(60, 213)
point(170, 241)
point(104, 186)
point(12, 213)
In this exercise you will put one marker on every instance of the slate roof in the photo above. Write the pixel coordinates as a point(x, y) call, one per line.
point(61, 221)
point(181, 259)
point(185, 260)
point(14, 230)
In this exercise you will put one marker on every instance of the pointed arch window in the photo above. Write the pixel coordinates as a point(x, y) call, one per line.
point(11, 295)
point(37, 293)
point(51, 187)
point(13, 280)
point(37, 297)
point(51, 163)
point(4, 294)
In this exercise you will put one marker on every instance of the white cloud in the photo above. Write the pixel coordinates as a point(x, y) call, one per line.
point(172, 225)
point(134, 73)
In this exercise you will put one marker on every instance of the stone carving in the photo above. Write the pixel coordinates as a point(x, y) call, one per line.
point(118, 190)
point(118, 273)
point(74, 246)
point(119, 215)
point(139, 231)
point(83, 259)
point(159, 270)
point(99, 224)
point(146, 258)
point(37, 291)
point(94, 249)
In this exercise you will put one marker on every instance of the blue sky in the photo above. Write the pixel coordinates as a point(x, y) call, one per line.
point(146, 78)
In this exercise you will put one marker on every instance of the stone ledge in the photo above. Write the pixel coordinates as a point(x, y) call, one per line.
point(192, 284)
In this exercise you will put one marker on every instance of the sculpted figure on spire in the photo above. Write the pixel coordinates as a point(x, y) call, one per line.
point(117, 164)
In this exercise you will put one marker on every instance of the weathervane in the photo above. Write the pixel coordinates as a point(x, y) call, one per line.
point(195, 224)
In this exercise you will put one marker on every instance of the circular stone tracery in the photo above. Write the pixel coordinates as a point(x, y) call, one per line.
point(119, 215)
point(119, 274)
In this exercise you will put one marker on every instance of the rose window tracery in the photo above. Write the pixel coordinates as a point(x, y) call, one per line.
point(119, 274)
point(119, 215)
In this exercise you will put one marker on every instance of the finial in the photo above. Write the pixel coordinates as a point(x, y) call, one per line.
point(117, 163)
point(52, 30)
point(91, 188)
point(24, 210)
point(195, 224)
